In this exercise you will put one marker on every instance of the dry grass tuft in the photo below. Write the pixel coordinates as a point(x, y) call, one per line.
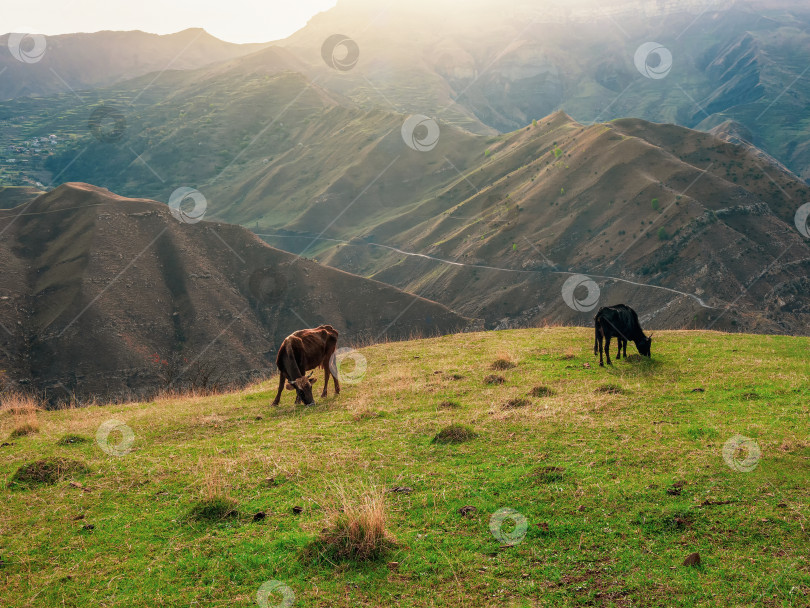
point(449, 405)
point(569, 354)
point(356, 526)
point(19, 404)
point(542, 391)
point(494, 379)
point(455, 433)
point(214, 504)
point(23, 407)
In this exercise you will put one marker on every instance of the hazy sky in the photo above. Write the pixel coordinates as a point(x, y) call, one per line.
point(231, 20)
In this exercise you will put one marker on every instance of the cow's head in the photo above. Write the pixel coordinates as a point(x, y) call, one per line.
point(303, 388)
point(644, 346)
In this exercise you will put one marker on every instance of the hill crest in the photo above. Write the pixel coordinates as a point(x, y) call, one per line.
point(95, 285)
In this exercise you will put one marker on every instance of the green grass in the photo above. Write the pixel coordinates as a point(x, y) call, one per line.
point(616, 487)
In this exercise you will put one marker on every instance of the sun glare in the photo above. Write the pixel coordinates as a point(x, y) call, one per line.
point(238, 21)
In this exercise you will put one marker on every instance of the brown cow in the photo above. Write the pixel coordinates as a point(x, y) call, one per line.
point(301, 351)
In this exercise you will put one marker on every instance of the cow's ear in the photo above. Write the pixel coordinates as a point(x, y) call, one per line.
point(289, 387)
point(313, 380)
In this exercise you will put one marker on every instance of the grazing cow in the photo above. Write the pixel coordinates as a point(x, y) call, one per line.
point(301, 351)
point(620, 321)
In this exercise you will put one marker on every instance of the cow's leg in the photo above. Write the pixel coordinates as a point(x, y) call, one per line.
point(625, 349)
point(599, 338)
point(619, 352)
point(326, 375)
point(281, 381)
point(598, 347)
point(595, 337)
point(326, 365)
point(607, 349)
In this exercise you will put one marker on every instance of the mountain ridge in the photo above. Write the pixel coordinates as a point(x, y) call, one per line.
point(96, 285)
point(78, 61)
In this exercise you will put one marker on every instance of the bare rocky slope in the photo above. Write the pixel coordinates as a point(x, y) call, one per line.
point(690, 229)
point(113, 297)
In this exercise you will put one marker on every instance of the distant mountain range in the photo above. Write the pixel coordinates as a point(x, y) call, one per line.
point(50, 65)
point(496, 66)
point(492, 196)
point(114, 297)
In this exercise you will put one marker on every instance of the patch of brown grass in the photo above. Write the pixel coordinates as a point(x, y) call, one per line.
point(516, 403)
point(26, 428)
point(610, 389)
point(455, 433)
point(18, 404)
point(494, 379)
point(356, 526)
point(23, 408)
point(46, 472)
point(365, 413)
point(449, 405)
point(548, 474)
point(542, 391)
point(502, 364)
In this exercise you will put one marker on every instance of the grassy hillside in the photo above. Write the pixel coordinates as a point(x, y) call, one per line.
point(619, 473)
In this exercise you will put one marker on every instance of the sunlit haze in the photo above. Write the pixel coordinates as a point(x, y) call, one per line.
point(234, 20)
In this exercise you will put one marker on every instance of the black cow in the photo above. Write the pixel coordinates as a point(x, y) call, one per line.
point(300, 352)
point(620, 321)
